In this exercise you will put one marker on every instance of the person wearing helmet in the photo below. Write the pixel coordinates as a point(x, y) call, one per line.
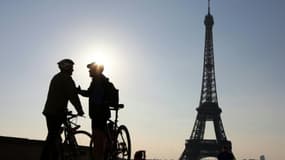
point(61, 90)
point(99, 111)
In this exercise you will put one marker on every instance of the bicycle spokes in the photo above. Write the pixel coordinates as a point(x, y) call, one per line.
point(123, 148)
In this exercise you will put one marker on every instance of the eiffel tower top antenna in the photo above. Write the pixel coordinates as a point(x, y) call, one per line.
point(208, 6)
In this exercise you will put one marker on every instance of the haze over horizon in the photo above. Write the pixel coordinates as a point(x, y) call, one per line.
point(153, 53)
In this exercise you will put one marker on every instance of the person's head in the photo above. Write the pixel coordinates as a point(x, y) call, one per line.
point(95, 69)
point(66, 66)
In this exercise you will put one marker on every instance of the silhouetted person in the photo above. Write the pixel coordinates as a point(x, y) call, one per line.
point(61, 90)
point(225, 154)
point(99, 111)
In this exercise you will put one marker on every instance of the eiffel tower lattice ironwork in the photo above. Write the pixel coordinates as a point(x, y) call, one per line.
point(197, 147)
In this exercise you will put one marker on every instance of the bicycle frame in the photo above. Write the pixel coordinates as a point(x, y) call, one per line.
point(69, 127)
point(114, 122)
point(120, 145)
point(118, 138)
point(116, 109)
point(71, 148)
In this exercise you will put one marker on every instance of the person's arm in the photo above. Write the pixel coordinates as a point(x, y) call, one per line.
point(83, 93)
point(73, 96)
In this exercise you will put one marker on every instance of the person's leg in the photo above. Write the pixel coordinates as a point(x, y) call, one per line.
point(100, 139)
point(45, 150)
point(99, 144)
point(53, 140)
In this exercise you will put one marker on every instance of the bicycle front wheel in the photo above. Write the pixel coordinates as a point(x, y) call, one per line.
point(123, 150)
point(82, 139)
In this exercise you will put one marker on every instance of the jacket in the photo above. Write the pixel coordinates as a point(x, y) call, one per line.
point(61, 90)
point(96, 93)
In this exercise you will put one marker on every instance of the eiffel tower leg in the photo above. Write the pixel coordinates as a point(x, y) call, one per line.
point(219, 129)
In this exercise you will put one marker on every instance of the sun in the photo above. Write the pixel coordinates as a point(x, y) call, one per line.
point(100, 54)
point(98, 58)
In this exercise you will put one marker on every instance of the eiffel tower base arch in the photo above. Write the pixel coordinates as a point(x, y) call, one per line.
point(198, 149)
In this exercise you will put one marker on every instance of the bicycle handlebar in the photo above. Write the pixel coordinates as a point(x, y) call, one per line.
point(117, 107)
point(70, 115)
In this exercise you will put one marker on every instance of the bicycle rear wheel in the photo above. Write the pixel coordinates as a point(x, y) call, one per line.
point(78, 146)
point(123, 147)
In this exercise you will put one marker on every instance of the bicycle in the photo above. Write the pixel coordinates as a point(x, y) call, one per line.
point(76, 142)
point(119, 142)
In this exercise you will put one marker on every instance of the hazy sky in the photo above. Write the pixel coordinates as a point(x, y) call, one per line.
point(153, 52)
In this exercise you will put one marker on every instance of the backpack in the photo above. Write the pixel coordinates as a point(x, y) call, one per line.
point(111, 94)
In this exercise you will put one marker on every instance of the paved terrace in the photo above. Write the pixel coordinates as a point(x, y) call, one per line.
point(12, 148)
point(19, 148)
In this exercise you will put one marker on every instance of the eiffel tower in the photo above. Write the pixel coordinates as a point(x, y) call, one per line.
point(197, 147)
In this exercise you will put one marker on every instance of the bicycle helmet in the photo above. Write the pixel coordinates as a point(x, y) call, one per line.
point(65, 64)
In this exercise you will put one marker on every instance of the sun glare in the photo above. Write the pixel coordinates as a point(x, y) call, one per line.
point(97, 58)
point(100, 54)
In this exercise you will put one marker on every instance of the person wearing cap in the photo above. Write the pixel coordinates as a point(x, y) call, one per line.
point(61, 90)
point(99, 111)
